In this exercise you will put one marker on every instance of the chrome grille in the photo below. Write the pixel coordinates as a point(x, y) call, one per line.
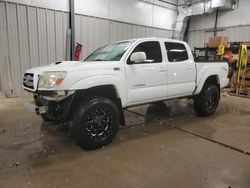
point(28, 80)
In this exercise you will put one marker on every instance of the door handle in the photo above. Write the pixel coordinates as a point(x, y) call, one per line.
point(116, 69)
point(162, 69)
point(189, 68)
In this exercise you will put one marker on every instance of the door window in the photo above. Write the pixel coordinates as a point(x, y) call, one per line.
point(152, 50)
point(176, 52)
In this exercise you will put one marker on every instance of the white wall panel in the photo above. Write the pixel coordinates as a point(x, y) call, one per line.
point(243, 32)
point(240, 16)
point(42, 36)
point(152, 13)
point(65, 28)
point(52, 4)
point(197, 39)
point(33, 36)
point(155, 33)
point(91, 33)
point(98, 8)
point(94, 32)
point(202, 22)
point(120, 31)
point(78, 29)
point(51, 36)
point(60, 37)
point(13, 40)
point(138, 31)
point(237, 33)
point(163, 18)
point(132, 11)
point(84, 36)
point(23, 38)
point(147, 13)
point(4, 46)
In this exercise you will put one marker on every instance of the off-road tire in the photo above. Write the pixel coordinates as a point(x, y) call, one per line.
point(95, 123)
point(206, 103)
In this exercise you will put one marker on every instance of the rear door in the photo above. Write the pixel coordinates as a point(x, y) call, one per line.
point(181, 70)
point(147, 80)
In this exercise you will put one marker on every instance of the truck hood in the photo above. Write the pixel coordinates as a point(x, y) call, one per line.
point(66, 66)
point(76, 71)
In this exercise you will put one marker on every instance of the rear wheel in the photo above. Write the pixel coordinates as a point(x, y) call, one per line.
point(96, 123)
point(207, 101)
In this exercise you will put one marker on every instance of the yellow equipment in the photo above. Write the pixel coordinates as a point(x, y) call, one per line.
point(221, 50)
point(242, 66)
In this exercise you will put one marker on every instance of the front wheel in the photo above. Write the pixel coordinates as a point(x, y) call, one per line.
point(96, 123)
point(207, 101)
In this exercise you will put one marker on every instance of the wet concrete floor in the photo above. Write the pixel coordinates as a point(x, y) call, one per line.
point(163, 145)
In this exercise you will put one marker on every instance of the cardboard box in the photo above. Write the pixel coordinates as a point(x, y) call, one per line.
point(214, 42)
point(246, 43)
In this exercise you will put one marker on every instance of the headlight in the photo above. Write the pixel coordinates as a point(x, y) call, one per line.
point(51, 79)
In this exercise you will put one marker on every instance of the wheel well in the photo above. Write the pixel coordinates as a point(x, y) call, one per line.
point(213, 80)
point(106, 91)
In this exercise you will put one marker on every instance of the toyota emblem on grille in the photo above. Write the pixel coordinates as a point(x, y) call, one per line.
point(28, 80)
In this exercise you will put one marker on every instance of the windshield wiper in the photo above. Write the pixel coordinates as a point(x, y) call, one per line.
point(99, 60)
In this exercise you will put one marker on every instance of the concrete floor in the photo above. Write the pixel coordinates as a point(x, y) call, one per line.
point(163, 145)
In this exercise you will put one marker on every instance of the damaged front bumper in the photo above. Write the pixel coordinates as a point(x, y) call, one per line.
point(35, 109)
point(55, 104)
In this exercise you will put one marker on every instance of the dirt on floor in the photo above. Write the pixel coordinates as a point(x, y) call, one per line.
point(162, 145)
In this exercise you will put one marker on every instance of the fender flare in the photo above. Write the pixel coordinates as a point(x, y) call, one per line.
point(203, 80)
point(101, 80)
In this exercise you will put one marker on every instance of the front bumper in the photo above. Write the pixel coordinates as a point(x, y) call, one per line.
point(56, 105)
point(35, 109)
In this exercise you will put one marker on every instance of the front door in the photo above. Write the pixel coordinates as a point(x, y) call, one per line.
point(147, 80)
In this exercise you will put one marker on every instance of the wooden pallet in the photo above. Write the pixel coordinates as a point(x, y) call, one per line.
point(245, 93)
point(237, 95)
point(248, 93)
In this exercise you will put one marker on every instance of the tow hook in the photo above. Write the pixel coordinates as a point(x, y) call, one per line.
point(41, 110)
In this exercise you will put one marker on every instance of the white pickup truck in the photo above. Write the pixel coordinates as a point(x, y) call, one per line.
point(92, 94)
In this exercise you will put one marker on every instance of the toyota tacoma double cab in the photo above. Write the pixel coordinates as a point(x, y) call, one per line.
point(90, 95)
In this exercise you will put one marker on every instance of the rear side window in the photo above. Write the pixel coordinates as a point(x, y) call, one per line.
point(152, 50)
point(176, 52)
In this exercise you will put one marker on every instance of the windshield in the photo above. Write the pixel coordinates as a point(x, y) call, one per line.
point(112, 52)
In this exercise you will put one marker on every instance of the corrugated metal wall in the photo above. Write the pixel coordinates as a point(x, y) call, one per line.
point(95, 32)
point(199, 38)
point(233, 23)
point(33, 36)
point(239, 33)
point(235, 34)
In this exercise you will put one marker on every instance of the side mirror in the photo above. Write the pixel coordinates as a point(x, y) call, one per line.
point(138, 57)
